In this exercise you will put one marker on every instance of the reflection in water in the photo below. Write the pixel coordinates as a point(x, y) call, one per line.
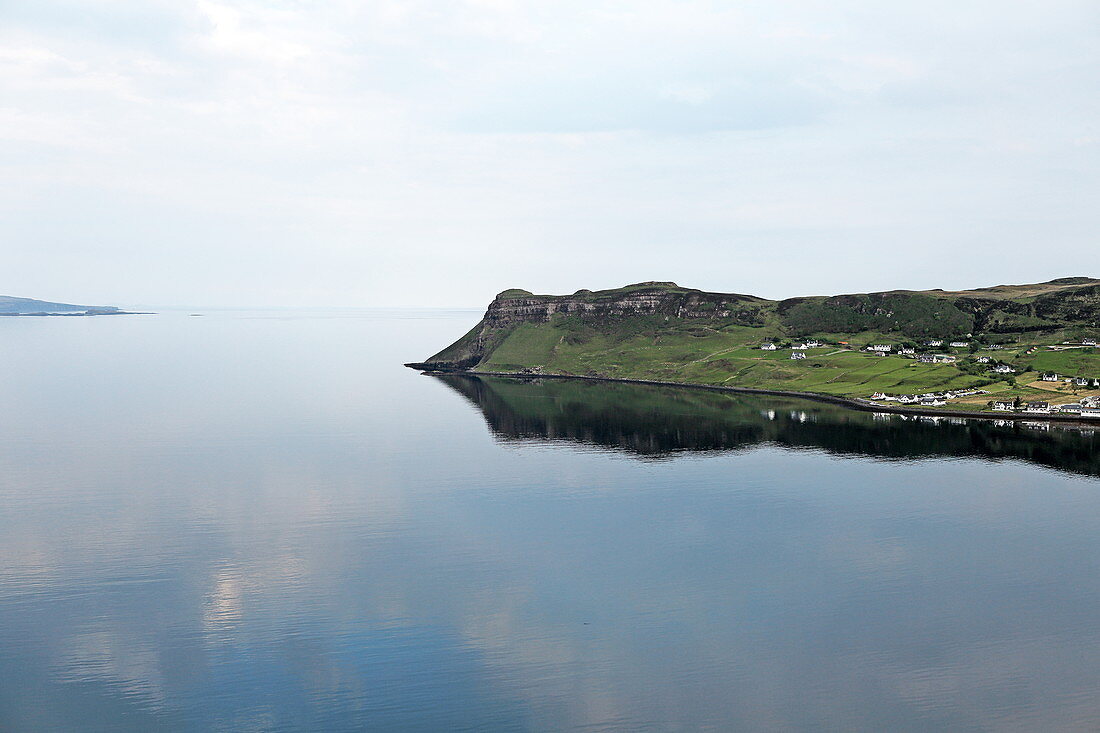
point(657, 421)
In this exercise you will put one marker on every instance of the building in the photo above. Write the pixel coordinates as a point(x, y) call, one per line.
point(906, 350)
point(1038, 407)
point(1004, 369)
point(995, 347)
point(1072, 407)
point(881, 353)
point(959, 344)
point(769, 347)
point(1081, 382)
point(1004, 406)
point(880, 347)
point(943, 359)
point(1050, 377)
point(1088, 342)
point(798, 355)
point(984, 360)
point(933, 343)
point(932, 402)
point(813, 344)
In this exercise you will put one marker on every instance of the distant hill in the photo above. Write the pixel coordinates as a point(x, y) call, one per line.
point(664, 332)
point(11, 306)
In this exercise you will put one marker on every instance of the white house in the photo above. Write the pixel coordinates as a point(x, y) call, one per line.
point(932, 402)
point(880, 347)
point(798, 355)
point(934, 343)
point(1072, 407)
point(984, 360)
point(1004, 369)
point(1088, 342)
point(1081, 381)
point(1038, 407)
point(906, 350)
point(769, 347)
point(1050, 377)
point(959, 344)
point(1003, 406)
point(943, 359)
point(813, 344)
point(882, 353)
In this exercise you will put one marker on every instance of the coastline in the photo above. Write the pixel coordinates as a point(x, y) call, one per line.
point(849, 402)
point(79, 314)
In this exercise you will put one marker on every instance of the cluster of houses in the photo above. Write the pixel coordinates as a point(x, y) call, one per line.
point(929, 399)
point(1075, 381)
point(886, 349)
point(797, 350)
point(1088, 407)
point(772, 346)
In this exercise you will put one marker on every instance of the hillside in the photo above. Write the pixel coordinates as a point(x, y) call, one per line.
point(662, 331)
point(11, 306)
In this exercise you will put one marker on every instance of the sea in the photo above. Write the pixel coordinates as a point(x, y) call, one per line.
point(229, 520)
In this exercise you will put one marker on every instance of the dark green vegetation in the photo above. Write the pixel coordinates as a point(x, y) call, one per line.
point(10, 306)
point(661, 331)
point(657, 421)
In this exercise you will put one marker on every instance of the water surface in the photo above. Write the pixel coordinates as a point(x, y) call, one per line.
point(261, 521)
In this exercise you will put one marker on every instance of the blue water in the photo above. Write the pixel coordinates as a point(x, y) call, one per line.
point(260, 521)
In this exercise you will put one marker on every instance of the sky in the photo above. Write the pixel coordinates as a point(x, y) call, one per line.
point(433, 153)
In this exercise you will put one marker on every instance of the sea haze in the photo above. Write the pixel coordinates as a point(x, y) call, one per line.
point(262, 521)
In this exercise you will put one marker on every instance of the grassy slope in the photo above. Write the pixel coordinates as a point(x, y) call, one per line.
point(711, 354)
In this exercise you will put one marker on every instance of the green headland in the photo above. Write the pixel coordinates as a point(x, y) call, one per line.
point(1004, 346)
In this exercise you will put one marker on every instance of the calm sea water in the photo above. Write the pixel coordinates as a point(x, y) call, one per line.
point(263, 522)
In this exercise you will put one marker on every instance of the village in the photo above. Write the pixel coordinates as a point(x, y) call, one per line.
point(1087, 406)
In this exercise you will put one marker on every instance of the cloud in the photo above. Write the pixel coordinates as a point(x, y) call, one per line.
point(370, 148)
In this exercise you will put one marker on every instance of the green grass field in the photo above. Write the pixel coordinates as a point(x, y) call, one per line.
point(730, 356)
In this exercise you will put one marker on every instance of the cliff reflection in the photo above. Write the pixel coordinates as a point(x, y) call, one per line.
point(658, 422)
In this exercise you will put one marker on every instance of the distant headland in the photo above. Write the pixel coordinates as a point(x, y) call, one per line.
point(12, 306)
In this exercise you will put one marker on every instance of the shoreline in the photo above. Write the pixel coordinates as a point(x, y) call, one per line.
point(849, 402)
point(79, 314)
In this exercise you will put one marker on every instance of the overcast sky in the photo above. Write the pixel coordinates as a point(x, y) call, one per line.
point(407, 152)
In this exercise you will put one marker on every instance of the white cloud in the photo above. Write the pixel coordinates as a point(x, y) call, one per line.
point(158, 150)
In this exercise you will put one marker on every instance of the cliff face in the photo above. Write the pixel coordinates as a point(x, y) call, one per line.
point(652, 298)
